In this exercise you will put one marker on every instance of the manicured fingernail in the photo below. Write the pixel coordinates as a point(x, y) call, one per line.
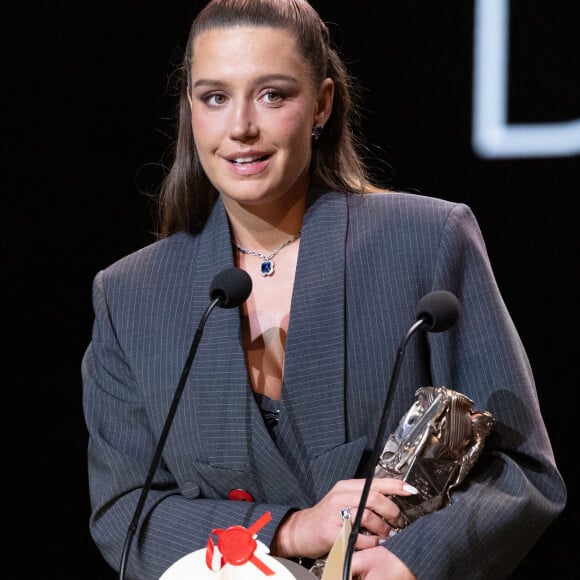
point(410, 489)
point(383, 540)
point(393, 533)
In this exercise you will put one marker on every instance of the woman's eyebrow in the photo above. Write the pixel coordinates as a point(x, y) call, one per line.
point(260, 80)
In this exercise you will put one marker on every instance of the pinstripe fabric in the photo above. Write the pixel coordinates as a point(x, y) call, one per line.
point(364, 263)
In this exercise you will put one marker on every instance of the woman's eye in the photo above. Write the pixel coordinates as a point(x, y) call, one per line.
point(215, 99)
point(272, 97)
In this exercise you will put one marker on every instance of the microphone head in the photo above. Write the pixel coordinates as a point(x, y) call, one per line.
point(439, 309)
point(232, 286)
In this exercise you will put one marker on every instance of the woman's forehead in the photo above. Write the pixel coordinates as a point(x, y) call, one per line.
point(243, 49)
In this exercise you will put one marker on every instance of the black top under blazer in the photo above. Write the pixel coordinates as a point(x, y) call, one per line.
point(364, 263)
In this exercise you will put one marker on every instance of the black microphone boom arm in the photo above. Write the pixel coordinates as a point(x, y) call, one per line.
point(436, 312)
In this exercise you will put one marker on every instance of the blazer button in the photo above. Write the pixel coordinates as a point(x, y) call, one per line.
point(240, 495)
point(190, 490)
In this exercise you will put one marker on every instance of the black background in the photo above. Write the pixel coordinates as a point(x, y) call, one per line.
point(86, 101)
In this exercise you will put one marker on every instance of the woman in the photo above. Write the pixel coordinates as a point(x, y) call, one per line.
point(284, 397)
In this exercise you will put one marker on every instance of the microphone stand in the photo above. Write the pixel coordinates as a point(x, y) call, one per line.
point(377, 448)
point(163, 437)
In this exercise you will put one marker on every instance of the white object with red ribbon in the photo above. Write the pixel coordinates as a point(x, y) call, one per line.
point(237, 555)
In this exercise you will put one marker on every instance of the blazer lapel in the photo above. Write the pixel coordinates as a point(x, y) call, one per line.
point(223, 398)
point(312, 421)
point(228, 424)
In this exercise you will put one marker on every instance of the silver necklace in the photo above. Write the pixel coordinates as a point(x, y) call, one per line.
point(267, 266)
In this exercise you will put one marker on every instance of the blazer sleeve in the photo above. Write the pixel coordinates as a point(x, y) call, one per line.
point(514, 491)
point(121, 447)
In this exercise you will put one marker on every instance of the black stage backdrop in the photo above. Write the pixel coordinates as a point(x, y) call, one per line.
point(85, 108)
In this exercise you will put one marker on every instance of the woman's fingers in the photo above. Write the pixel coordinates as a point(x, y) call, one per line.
point(374, 524)
point(381, 509)
point(379, 564)
point(312, 532)
point(390, 486)
point(381, 515)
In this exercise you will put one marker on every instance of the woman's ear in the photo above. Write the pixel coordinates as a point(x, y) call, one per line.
point(324, 102)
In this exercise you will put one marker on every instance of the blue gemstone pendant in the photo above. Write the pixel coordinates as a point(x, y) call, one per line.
point(267, 268)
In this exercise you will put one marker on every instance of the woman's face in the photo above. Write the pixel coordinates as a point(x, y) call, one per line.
point(253, 107)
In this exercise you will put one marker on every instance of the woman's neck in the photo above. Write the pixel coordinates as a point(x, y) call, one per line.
point(262, 228)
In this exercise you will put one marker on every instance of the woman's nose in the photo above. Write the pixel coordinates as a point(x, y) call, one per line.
point(243, 123)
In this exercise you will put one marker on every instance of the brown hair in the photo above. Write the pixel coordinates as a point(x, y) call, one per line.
point(186, 195)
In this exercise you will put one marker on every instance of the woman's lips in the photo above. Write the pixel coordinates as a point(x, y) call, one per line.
point(248, 165)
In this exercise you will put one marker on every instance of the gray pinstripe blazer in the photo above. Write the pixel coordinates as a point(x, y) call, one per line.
point(364, 263)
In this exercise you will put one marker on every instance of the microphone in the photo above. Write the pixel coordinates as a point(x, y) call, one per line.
point(230, 288)
point(437, 311)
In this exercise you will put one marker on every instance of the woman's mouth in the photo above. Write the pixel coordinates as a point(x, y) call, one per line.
point(249, 165)
point(248, 160)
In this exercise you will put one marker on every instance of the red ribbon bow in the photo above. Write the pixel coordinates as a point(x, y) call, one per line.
point(237, 545)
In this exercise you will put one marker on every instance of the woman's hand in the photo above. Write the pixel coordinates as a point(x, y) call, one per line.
point(379, 564)
point(312, 532)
